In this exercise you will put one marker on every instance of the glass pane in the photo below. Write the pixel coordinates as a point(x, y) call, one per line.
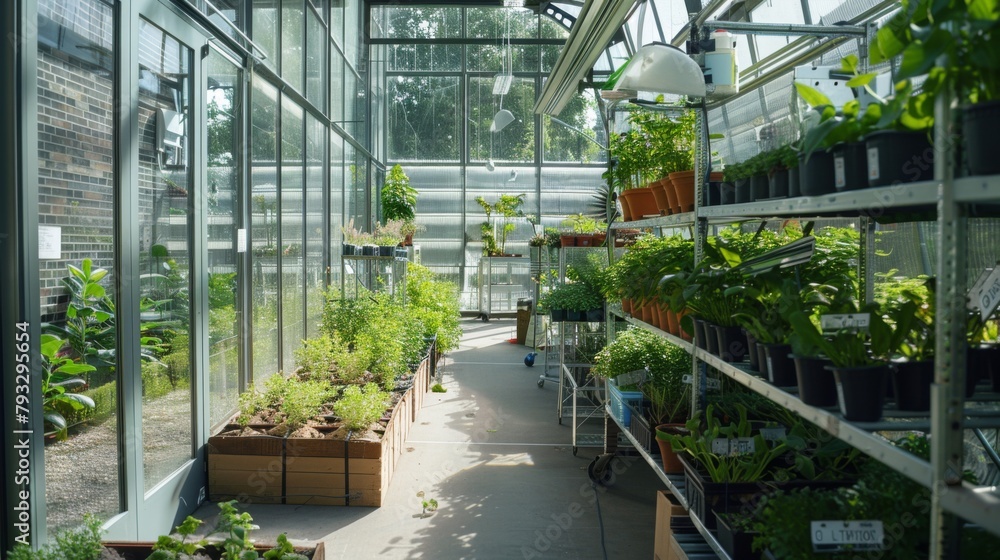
point(503, 60)
point(337, 205)
point(421, 22)
point(292, 280)
point(432, 58)
point(337, 90)
point(514, 142)
point(76, 196)
point(337, 22)
point(501, 22)
point(360, 200)
point(165, 203)
point(775, 13)
point(315, 58)
point(352, 90)
point(577, 135)
point(228, 16)
point(224, 102)
point(352, 35)
point(265, 30)
point(292, 42)
point(425, 115)
point(549, 28)
point(350, 196)
point(264, 227)
point(315, 272)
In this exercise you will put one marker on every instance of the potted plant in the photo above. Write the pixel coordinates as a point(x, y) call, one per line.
point(963, 35)
point(669, 398)
point(860, 357)
point(575, 299)
point(735, 175)
point(399, 200)
point(387, 236)
point(495, 230)
point(913, 373)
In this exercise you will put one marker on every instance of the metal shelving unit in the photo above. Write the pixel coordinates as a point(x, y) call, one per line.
point(581, 395)
point(502, 281)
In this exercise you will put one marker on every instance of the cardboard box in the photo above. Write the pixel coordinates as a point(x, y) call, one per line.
point(666, 508)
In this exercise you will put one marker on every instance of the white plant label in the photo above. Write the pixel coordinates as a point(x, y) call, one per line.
point(873, 163)
point(738, 446)
point(977, 288)
point(840, 177)
point(989, 294)
point(241, 240)
point(839, 321)
point(710, 383)
point(835, 536)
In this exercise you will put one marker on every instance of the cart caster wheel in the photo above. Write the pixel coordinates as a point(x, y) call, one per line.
point(541, 383)
point(560, 421)
point(601, 475)
point(575, 449)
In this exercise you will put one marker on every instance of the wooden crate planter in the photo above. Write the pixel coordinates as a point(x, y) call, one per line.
point(142, 550)
point(273, 470)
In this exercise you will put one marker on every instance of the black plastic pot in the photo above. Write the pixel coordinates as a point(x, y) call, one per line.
point(369, 250)
point(898, 157)
point(980, 123)
point(386, 250)
point(793, 183)
point(816, 174)
point(576, 316)
point(742, 190)
point(737, 543)
point(759, 187)
point(860, 391)
point(780, 368)
point(557, 315)
point(711, 339)
point(983, 362)
point(778, 185)
point(595, 315)
point(727, 193)
point(761, 350)
point(752, 347)
point(850, 166)
point(347, 249)
point(816, 384)
point(732, 343)
point(911, 383)
point(700, 337)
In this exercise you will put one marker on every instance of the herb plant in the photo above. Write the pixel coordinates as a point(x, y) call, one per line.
point(359, 408)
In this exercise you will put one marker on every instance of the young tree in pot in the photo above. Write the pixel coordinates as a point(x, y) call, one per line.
point(398, 197)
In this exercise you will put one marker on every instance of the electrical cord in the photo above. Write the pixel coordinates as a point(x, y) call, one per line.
point(600, 518)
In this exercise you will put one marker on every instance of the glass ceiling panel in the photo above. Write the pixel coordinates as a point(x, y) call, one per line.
point(775, 12)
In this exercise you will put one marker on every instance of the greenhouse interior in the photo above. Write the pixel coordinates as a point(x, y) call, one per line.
point(314, 279)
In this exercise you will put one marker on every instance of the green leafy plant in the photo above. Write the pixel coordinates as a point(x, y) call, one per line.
point(399, 198)
point(738, 467)
point(358, 408)
point(79, 543)
point(304, 400)
point(506, 208)
point(59, 380)
point(573, 297)
point(669, 398)
point(438, 388)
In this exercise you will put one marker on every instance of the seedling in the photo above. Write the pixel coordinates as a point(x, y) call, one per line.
point(429, 505)
point(438, 388)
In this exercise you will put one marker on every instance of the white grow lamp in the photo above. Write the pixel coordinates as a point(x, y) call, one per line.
point(661, 68)
point(501, 120)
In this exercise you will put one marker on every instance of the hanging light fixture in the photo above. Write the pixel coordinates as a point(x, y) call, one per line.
point(503, 80)
point(662, 68)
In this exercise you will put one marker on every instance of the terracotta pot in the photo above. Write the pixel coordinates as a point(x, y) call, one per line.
point(623, 198)
point(673, 323)
point(627, 306)
point(668, 188)
point(599, 239)
point(671, 462)
point(661, 317)
point(680, 330)
point(567, 240)
point(584, 240)
point(643, 204)
point(660, 196)
point(648, 313)
point(684, 186)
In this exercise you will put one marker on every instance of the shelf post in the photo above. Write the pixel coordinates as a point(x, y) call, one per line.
point(947, 393)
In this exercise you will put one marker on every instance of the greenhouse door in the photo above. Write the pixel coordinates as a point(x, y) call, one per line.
point(164, 271)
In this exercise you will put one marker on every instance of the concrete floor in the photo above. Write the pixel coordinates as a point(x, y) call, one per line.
point(491, 452)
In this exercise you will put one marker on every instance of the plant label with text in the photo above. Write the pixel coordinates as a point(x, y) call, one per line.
point(988, 297)
point(836, 536)
point(738, 446)
point(977, 287)
point(839, 321)
point(710, 383)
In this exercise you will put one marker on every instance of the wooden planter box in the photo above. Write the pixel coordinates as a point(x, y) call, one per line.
point(274, 470)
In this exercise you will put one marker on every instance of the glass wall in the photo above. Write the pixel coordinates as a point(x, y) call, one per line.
point(76, 213)
point(460, 120)
point(264, 226)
